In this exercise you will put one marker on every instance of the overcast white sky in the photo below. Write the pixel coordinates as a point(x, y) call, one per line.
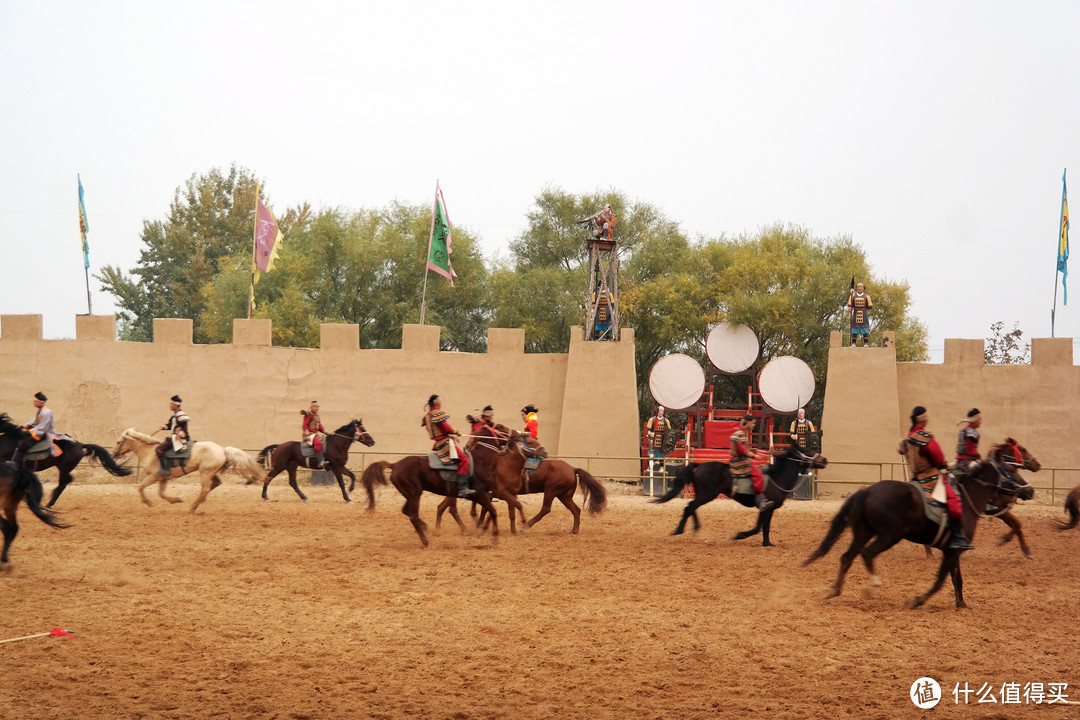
point(934, 133)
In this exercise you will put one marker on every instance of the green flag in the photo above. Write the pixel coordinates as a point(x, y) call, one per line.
point(439, 243)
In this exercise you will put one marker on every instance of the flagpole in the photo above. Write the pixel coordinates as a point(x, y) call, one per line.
point(1062, 231)
point(89, 308)
point(254, 250)
point(83, 227)
point(423, 297)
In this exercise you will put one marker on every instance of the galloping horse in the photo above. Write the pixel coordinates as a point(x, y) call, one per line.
point(287, 456)
point(890, 511)
point(1012, 457)
point(1072, 507)
point(492, 442)
point(712, 479)
point(555, 478)
point(412, 476)
point(207, 459)
point(18, 484)
point(72, 455)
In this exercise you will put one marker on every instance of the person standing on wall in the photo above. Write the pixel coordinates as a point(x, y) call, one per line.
point(860, 305)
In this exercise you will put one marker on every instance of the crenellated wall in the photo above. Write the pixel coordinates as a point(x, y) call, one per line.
point(869, 397)
point(249, 394)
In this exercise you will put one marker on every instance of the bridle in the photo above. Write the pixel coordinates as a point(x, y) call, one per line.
point(1008, 481)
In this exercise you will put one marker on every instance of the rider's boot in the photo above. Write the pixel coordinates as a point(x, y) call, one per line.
point(463, 489)
point(763, 503)
point(957, 541)
point(320, 460)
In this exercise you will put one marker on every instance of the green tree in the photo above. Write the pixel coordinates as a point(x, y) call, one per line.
point(210, 220)
point(362, 267)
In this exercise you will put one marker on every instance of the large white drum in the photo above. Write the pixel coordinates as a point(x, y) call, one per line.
point(676, 381)
point(786, 384)
point(732, 348)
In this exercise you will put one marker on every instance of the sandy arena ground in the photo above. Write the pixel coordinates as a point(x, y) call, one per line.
point(285, 610)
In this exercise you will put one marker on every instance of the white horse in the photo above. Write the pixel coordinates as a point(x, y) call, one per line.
point(207, 458)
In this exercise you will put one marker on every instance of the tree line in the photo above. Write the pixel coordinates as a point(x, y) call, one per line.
point(366, 267)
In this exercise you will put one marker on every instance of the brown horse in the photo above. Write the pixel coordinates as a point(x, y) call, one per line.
point(1072, 507)
point(287, 456)
point(1012, 457)
point(552, 477)
point(889, 511)
point(412, 476)
point(17, 484)
point(486, 447)
point(73, 453)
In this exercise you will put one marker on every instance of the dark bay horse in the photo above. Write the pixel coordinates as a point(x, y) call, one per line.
point(713, 479)
point(18, 484)
point(1012, 457)
point(287, 456)
point(889, 511)
point(412, 477)
point(1072, 507)
point(72, 455)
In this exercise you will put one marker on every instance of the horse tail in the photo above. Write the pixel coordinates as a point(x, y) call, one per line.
point(28, 484)
point(839, 523)
point(264, 458)
point(96, 452)
point(681, 478)
point(247, 466)
point(1072, 506)
point(595, 495)
point(375, 474)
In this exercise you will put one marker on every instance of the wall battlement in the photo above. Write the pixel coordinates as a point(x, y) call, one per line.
point(869, 397)
point(249, 393)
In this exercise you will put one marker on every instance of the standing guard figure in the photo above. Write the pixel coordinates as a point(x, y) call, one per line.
point(860, 305)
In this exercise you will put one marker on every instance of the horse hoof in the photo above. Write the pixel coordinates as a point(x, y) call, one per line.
point(913, 603)
point(676, 532)
point(5, 567)
point(833, 592)
point(766, 543)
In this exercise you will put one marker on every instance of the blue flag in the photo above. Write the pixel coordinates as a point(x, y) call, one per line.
point(1063, 242)
point(84, 226)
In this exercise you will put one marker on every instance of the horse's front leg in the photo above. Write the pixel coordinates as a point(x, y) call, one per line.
point(756, 529)
point(161, 490)
point(689, 511)
point(950, 560)
point(1015, 530)
point(149, 479)
point(451, 505)
point(341, 482)
point(766, 524)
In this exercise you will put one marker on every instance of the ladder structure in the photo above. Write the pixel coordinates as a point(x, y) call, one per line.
point(602, 299)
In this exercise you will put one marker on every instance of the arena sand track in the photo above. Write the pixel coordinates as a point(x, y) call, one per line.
point(285, 610)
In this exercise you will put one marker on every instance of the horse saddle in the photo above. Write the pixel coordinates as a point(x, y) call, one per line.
point(531, 464)
point(933, 509)
point(178, 458)
point(448, 471)
point(744, 484)
point(307, 450)
point(39, 450)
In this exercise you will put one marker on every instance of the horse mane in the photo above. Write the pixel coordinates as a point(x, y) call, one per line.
point(143, 437)
point(343, 430)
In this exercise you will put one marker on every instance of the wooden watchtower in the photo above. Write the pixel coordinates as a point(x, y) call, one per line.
point(602, 300)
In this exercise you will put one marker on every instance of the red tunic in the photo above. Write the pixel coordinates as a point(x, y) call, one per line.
point(933, 454)
point(310, 426)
